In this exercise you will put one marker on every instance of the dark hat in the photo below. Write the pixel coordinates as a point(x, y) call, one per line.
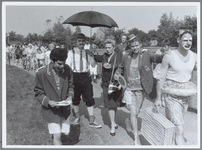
point(131, 37)
point(80, 35)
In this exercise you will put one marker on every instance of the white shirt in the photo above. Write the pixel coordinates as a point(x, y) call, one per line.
point(70, 60)
point(180, 71)
point(47, 57)
point(40, 56)
point(87, 46)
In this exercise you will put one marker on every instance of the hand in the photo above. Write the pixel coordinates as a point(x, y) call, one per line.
point(157, 103)
point(144, 50)
point(69, 99)
point(116, 75)
point(95, 53)
point(52, 103)
point(163, 101)
point(107, 65)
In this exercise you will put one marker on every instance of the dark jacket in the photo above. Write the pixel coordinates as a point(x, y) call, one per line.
point(106, 73)
point(45, 89)
point(145, 70)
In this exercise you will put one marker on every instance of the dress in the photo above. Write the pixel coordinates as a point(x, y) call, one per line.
point(110, 100)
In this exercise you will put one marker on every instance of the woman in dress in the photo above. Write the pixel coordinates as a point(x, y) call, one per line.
point(113, 100)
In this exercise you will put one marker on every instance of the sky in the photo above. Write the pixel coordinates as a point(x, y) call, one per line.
point(24, 18)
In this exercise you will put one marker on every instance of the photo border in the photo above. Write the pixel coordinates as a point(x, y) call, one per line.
point(93, 147)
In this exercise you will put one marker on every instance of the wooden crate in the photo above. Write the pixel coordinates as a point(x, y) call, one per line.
point(156, 128)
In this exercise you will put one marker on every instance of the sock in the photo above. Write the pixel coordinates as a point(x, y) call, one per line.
point(91, 118)
point(77, 115)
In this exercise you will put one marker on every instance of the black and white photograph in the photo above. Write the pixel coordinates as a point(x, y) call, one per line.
point(101, 74)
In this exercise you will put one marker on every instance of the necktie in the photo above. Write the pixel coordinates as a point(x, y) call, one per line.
point(81, 62)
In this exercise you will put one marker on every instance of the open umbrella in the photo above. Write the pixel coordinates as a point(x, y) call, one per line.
point(91, 19)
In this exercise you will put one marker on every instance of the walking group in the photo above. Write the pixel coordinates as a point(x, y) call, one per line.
point(64, 81)
point(29, 56)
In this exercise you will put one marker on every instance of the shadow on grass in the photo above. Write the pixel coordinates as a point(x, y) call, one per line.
point(73, 137)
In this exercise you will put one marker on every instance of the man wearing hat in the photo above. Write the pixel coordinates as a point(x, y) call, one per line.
point(131, 39)
point(174, 86)
point(78, 60)
point(121, 47)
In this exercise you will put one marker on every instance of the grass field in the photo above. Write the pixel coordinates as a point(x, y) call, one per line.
point(25, 125)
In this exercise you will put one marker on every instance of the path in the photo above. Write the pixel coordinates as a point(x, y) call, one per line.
point(122, 136)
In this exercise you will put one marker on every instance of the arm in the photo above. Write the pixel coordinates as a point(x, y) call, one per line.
point(69, 60)
point(91, 60)
point(156, 58)
point(161, 79)
point(39, 92)
point(70, 93)
point(120, 68)
point(195, 57)
point(195, 67)
point(98, 58)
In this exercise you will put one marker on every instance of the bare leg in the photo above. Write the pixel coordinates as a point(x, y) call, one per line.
point(112, 116)
point(133, 119)
point(76, 110)
point(57, 139)
point(179, 138)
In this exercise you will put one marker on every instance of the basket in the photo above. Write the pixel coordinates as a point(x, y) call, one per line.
point(156, 128)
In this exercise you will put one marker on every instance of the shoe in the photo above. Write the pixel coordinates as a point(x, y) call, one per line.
point(113, 134)
point(116, 126)
point(95, 125)
point(76, 121)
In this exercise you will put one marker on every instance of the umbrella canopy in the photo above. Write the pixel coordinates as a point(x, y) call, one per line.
point(91, 19)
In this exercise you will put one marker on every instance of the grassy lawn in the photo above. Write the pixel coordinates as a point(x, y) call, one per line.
point(25, 125)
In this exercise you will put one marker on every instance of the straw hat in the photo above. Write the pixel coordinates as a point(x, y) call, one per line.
point(131, 37)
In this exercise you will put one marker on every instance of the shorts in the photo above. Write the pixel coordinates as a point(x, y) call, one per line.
point(133, 98)
point(84, 88)
point(62, 127)
point(175, 106)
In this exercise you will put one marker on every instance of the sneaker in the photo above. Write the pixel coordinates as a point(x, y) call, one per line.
point(76, 121)
point(95, 125)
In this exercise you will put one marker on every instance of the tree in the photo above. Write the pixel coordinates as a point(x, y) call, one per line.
point(166, 28)
point(77, 30)
point(12, 36)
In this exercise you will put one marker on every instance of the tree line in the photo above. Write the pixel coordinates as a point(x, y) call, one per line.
point(62, 34)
